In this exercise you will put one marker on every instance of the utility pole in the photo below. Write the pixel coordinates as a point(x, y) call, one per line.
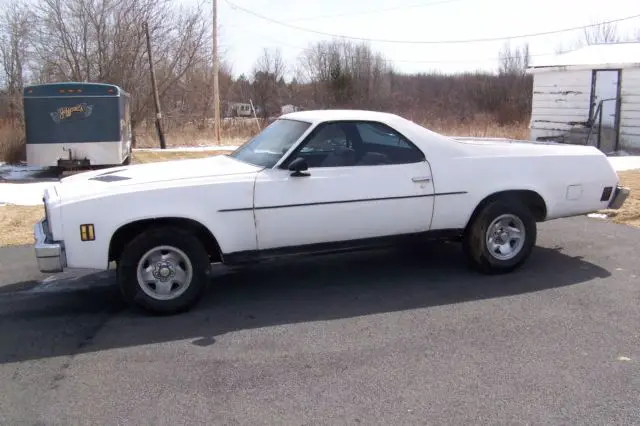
point(155, 89)
point(216, 66)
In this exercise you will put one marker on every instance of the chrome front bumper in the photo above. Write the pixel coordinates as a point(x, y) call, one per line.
point(619, 197)
point(50, 255)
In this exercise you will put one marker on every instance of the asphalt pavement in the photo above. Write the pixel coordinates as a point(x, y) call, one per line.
point(389, 337)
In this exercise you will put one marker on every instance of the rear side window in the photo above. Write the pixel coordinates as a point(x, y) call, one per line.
point(380, 138)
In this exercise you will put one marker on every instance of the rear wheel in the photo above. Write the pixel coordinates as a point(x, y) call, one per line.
point(501, 237)
point(163, 270)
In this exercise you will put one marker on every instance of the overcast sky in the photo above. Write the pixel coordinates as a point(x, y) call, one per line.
point(242, 35)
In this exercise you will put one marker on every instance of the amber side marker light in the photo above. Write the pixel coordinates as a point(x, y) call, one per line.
point(87, 232)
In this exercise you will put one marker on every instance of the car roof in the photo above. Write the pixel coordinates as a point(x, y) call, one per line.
point(315, 116)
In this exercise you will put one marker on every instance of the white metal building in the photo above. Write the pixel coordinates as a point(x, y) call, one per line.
point(592, 92)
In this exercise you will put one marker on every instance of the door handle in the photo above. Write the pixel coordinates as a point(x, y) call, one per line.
point(421, 179)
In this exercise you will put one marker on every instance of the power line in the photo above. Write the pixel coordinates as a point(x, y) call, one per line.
point(373, 11)
point(407, 61)
point(279, 43)
point(479, 40)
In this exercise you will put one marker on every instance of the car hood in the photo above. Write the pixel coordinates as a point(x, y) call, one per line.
point(100, 182)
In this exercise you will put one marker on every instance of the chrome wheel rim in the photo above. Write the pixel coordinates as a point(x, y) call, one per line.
point(164, 272)
point(505, 237)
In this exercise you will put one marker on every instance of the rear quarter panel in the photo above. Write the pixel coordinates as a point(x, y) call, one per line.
point(570, 179)
point(569, 185)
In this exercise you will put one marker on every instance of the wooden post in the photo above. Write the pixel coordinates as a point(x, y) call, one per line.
point(156, 98)
point(254, 115)
point(216, 67)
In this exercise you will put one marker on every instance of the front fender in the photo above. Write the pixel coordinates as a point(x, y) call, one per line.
point(233, 230)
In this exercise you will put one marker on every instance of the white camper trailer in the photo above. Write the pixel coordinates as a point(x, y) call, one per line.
point(77, 125)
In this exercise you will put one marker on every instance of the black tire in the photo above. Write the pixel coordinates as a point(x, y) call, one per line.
point(475, 242)
point(132, 254)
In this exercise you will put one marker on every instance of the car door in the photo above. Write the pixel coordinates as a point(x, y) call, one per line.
point(354, 188)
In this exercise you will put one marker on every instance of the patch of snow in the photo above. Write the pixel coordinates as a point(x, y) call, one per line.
point(597, 216)
point(619, 153)
point(23, 194)
point(625, 163)
point(190, 148)
point(18, 172)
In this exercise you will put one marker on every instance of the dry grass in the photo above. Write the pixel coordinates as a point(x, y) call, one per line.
point(16, 224)
point(629, 214)
point(12, 148)
point(482, 127)
point(239, 131)
point(233, 132)
point(140, 157)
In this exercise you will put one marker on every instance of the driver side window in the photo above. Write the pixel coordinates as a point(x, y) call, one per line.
point(328, 146)
point(356, 143)
point(326, 139)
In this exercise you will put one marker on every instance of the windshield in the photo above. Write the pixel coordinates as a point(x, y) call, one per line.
point(268, 146)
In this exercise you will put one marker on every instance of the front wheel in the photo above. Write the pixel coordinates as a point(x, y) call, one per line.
point(163, 270)
point(501, 237)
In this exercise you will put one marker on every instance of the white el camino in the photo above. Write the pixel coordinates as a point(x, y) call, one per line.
point(315, 181)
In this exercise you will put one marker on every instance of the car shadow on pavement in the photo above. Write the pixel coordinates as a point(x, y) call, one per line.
point(283, 292)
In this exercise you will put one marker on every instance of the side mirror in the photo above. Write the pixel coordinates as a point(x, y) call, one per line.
point(297, 166)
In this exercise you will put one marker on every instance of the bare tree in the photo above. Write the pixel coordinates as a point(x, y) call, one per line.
point(267, 71)
point(343, 73)
point(509, 97)
point(102, 40)
point(15, 27)
point(514, 61)
point(601, 33)
point(241, 89)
